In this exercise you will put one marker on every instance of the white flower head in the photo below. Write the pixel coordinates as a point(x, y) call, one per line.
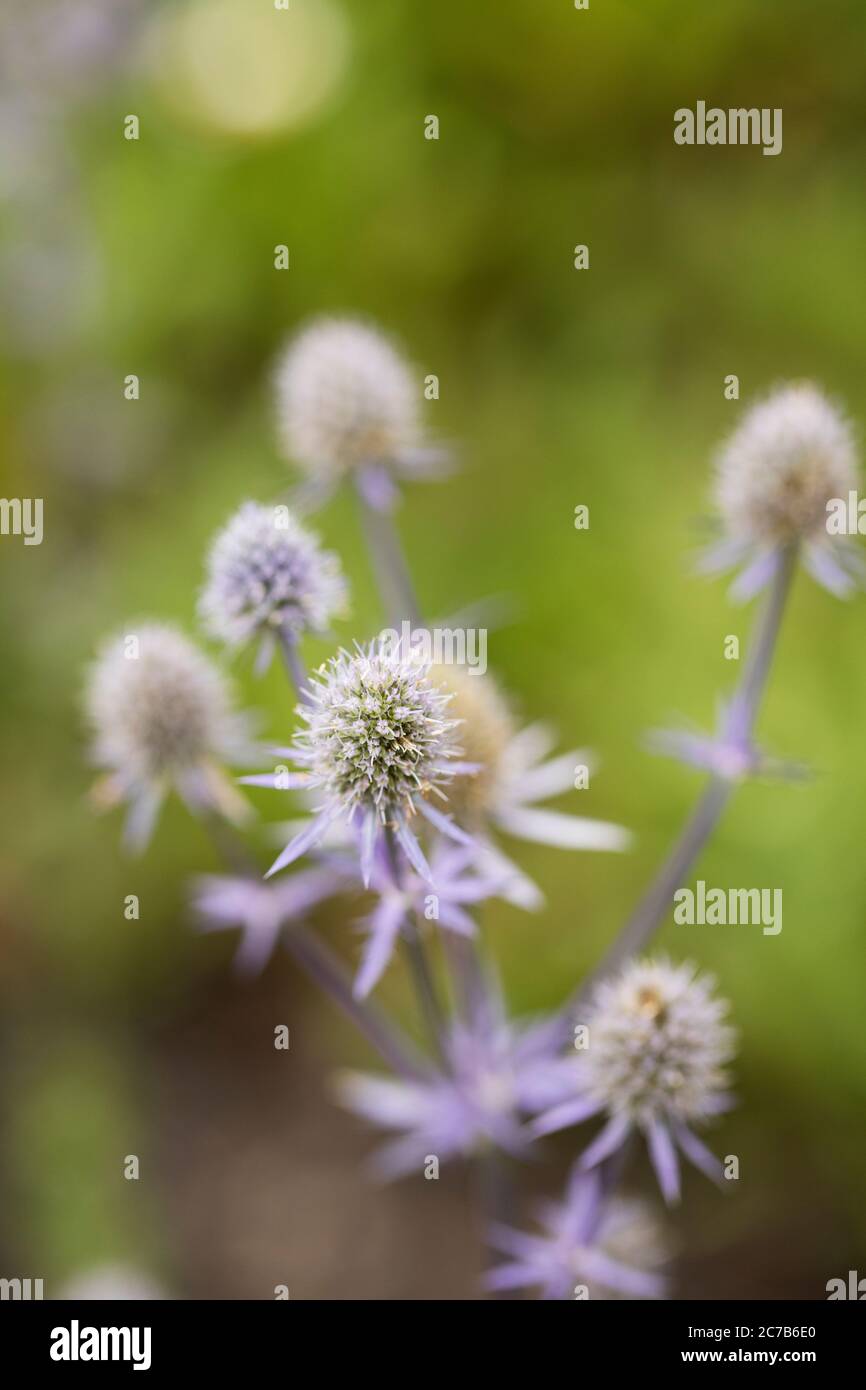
point(792, 454)
point(656, 1062)
point(267, 574)
point(347, 404)
point(379, 732)
point(162, 717)
point(659, 1043)
point(379, 740)
point(345, 398)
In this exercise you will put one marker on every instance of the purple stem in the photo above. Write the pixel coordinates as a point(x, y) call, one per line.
point(329, 973)
point(294, 665)
point(422, 975)
point(389, 563)
point(651, 910)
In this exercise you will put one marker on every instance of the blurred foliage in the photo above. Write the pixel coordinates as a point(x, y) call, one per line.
point(558, 387)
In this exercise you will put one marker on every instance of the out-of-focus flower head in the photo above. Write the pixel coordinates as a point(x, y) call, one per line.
point(496, 1073)
point(513, 772)
point(792, 454)
point(268, 575)
point(655, 1062)
point(620, 1259)
point(347, 406)
point(162, 719)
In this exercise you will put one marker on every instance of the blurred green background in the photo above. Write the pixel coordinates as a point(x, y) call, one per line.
point(558, 387)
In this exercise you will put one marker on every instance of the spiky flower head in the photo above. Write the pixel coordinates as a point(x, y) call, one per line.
point(266, 574)
point(789, 456)
point(658, 1048)
point(379, 731)
point(792, 454)
point(346, 397)
point(658, 1043)
point(162, 717)
point(379, 742)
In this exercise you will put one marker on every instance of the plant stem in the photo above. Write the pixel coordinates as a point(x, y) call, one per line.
point(321, 964)
point(419, 966)
point(652, 908)
point(232, 850)
point(294, 665)
point(329, 973)
point(496, 1198)
point(389, 564)
point(469, 987)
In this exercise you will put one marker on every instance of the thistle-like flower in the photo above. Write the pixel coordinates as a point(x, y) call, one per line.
point(162, 718)
point(620, 1259)
point(268, 576)
point(792, 454)
point(512, 773)
point(348, 405)
point(378, 743)
point(656, 1061)
point(496, 1074)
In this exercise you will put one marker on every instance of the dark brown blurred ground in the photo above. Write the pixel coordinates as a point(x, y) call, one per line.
point(264, 1176)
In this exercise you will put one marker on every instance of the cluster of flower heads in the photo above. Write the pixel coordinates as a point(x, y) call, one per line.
point(408, 773)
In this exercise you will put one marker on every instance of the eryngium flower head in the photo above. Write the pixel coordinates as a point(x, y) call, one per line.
point(587, 1248)
point(161, 717)
point(512, 773)
point(497, 1072)
point(379, 740)
point(486, 731)
point(345, 398)
point(348, 404)
point(656, 1061)
point(658, 1042)
point(379, 732)
point(790, 456)
point(266, 574)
